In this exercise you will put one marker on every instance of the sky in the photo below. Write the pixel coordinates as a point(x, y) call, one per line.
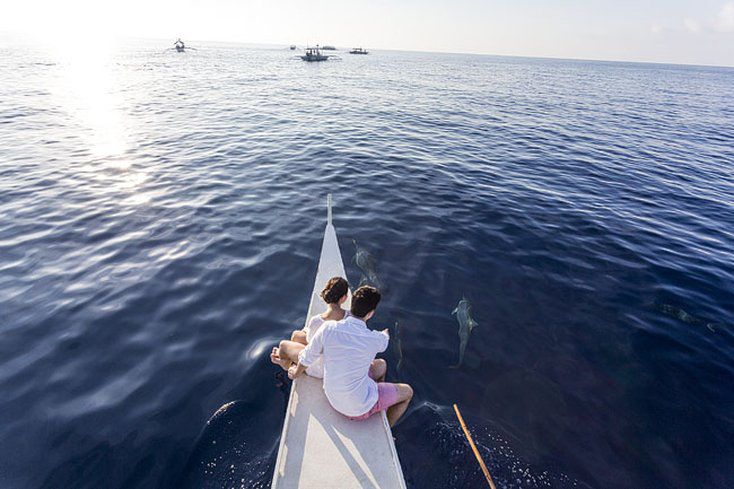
point(667, 31)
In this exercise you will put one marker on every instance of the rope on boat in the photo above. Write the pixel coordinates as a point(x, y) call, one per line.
point(474, 448)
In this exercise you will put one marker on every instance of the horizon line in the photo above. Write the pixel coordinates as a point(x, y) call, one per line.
point(472, 53)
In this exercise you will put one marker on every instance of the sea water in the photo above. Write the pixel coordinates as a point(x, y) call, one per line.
point(161, 217)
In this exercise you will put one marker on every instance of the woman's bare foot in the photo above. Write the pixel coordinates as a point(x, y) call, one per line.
point(284, 363)
point(275, 355)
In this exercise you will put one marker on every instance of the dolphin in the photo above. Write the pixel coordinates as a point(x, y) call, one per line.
point(466, 325)
point(366, 263)
point(230, 450)
point(687, 318)
point(398, 347)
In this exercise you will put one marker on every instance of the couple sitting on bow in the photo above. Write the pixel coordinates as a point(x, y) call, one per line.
point(338, 347)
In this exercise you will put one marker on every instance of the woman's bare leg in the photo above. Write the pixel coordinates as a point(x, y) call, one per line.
point(288, 353)
point(275, 357)
point(299, 336)
point(394, 412)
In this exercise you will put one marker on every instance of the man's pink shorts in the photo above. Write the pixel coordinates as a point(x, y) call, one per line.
point(387, 395)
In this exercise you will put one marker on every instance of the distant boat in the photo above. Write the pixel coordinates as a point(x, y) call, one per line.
point(328, 48)
point(293, 47)
point(179, 45)
point(359, 51)
point(314, 54)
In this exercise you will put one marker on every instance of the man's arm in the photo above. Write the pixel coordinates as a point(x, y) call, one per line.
point(312, 351)
point(383, 339)
point(308, 355)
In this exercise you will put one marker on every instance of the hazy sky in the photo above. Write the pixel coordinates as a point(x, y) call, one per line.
point(681, 31)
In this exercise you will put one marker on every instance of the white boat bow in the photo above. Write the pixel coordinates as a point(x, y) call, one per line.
point(320, 448)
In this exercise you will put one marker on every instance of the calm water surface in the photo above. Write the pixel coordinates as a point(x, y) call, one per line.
point(161, 221)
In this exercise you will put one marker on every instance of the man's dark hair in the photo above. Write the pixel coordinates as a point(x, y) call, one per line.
point(365, 300)
point(335, 289)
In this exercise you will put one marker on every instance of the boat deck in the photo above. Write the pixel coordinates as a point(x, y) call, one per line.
point(323, 449)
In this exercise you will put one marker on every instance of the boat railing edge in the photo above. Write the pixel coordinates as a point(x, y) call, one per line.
point(281, 444)
point(393, 450)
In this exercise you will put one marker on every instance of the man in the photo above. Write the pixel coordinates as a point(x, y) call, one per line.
point(349, 348)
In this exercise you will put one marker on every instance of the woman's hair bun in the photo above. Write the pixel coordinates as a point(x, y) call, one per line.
point(335, 289)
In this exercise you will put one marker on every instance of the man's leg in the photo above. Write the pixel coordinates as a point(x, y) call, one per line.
point(378, 369)
point(394, 412)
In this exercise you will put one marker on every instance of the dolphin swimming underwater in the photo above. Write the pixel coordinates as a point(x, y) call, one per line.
point(680, 314)
point(398, 347)
point(466, 325)
point(231, 439)
point(366, 263)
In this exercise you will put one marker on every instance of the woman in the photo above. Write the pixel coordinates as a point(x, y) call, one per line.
point(334, 294)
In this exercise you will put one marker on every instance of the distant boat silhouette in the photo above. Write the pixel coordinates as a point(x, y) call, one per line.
point(314, 54)
point(328, 48)
point(358, 51)
point(293, 47)
point(179, 45)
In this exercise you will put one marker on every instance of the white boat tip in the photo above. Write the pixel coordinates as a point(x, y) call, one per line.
point(328, 209)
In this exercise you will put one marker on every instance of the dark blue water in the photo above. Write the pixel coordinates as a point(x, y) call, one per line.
point(161, 217)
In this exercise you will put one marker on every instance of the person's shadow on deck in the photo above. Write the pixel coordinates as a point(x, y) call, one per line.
point(336, 427)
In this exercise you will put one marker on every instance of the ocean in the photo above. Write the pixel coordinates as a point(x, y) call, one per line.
point(161, 218)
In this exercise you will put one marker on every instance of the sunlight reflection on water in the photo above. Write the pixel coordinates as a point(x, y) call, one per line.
point(85, 89)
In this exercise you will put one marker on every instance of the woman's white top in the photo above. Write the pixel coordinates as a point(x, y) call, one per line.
point(316, 369)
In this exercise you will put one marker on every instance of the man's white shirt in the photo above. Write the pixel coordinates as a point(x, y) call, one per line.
point(348, 348)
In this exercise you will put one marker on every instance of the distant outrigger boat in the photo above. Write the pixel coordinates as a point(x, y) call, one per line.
point(359, 51)
point(314, 54)
point(179, 45)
